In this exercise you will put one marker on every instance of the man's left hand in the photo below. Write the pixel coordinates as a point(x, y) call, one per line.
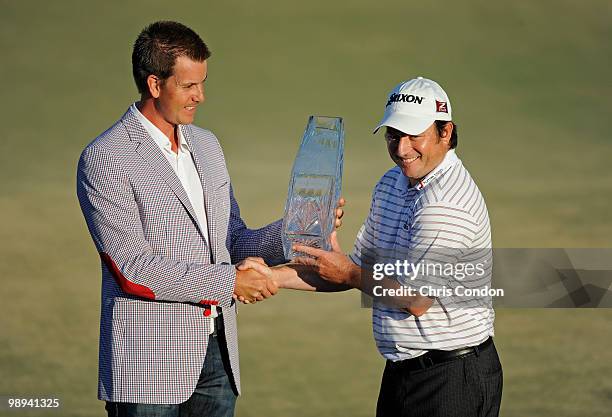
point(333, 266)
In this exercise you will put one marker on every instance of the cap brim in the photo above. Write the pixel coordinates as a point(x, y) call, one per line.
point(407, 124)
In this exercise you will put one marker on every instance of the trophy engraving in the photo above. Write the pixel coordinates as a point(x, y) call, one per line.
point(315, 185)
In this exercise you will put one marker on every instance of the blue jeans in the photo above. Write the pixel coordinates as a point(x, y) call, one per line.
point(214, 394)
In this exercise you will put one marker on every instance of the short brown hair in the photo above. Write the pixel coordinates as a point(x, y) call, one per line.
point(157, 48)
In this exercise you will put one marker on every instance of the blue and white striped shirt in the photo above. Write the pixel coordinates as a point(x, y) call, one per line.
point(442, 216)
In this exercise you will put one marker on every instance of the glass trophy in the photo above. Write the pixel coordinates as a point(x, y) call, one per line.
point(315, 185)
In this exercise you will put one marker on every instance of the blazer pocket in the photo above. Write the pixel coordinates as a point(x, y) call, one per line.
point(134, 310)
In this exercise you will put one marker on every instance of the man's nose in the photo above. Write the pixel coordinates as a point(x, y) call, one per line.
point(199, 94)
point(404, 145)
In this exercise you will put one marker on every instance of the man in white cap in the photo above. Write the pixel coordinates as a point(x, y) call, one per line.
point(441, 360)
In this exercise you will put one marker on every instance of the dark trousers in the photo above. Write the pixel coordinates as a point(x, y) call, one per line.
point(469, 386)
point(214, 395)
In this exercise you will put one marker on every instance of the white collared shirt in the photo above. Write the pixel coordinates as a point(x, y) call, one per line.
point(183, 165)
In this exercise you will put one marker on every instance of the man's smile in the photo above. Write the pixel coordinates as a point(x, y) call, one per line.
point(408, 161)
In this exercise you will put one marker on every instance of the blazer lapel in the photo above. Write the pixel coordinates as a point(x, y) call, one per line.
point(150, 152)
point(201, 163)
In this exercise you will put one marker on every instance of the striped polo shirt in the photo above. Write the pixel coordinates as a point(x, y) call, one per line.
point(443, 216)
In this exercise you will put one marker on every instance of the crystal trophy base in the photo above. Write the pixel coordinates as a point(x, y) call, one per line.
point(315, 185)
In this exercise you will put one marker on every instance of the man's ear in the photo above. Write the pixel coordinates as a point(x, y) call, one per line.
point(154, 84)
point(447, 132)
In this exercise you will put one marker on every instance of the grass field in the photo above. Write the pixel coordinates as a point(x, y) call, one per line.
point(530, 87)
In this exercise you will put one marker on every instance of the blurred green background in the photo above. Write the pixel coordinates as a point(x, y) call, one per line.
point(530, 87)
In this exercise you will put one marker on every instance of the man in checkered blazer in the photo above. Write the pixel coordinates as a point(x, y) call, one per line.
point(157, 198)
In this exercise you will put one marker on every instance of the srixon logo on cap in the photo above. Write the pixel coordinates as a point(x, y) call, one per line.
point(441, 107)
point(404, 98)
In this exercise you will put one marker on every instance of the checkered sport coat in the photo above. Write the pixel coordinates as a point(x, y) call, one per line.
point(159, 276)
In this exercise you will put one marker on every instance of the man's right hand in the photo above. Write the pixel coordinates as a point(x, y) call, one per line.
point(253, 281)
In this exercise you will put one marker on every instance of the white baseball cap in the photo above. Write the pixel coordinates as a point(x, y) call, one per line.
point(414, 105)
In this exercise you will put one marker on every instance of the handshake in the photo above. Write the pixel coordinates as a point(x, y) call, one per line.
point(254, 281)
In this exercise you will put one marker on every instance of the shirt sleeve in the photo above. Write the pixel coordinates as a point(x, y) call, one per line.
point(442, 239)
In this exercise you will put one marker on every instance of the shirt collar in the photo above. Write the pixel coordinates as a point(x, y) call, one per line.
point(157, 135)
point(402, 183)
